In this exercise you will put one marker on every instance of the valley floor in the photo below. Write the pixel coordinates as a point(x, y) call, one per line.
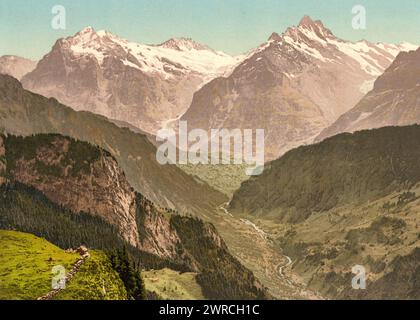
point(257, 251)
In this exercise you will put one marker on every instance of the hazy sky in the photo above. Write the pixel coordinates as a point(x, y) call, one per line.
point(233, 26)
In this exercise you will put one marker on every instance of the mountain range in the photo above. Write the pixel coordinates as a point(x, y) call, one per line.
point(293, 86)
point(340, 187)
point(144, 85)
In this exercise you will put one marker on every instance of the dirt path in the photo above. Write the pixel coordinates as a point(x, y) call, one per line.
point(84, 254)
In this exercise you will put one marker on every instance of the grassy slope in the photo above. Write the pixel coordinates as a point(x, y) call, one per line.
point(224, 178)
point(96, 280)
point(25, 270)
point(26, 262)
point(172, 285)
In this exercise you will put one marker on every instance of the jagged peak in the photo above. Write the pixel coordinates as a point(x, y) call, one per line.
point(182, 44)
point(308, 26)
point(307, 21)
point(274, 37)
point(86, 30)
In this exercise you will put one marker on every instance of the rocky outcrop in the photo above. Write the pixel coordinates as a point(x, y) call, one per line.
point(85, 181)
point(77, 176)
point(83, 178)
point(156, 235)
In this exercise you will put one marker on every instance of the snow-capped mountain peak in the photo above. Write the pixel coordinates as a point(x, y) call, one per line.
point(144, 85)
point(315, 41)
point(177, 55)
point(184, 44)
point(316, 26)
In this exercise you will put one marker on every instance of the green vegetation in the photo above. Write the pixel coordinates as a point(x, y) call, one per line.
point(172, 285)
point(26, 209)
point(123, 264)
point(385, 230)
point(26, 264)
point(346, 169)
point(76, 155)
point(25, 113)
point(96, 280)
point(349, 200)
point(224, 178)
point(326, 246)
point(222, 276)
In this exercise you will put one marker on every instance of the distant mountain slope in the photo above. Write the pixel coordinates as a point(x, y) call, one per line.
point(394, 100)
point(25, 113)
point(351, 200)
point(144, 85)
point(15, 66)
point(345, 169)
point(293, 86)
point(71, 193)
point(172, 285)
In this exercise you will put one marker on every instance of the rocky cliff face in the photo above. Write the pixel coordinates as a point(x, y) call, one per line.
point(83, 178)
point(94, 184)
point(156, 235)
point(394, 100)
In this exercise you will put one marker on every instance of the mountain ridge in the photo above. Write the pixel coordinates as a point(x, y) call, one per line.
point(143, 85)
point(293, 86)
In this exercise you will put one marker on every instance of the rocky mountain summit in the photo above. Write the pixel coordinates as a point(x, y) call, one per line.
point(293, 86)
point(143, 85)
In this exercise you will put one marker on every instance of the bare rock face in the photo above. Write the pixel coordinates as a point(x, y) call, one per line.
point(95, 184)
point(394, 100)
point(143, 85)
point(15, 66)
point(293, 86)
point(159, 238)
